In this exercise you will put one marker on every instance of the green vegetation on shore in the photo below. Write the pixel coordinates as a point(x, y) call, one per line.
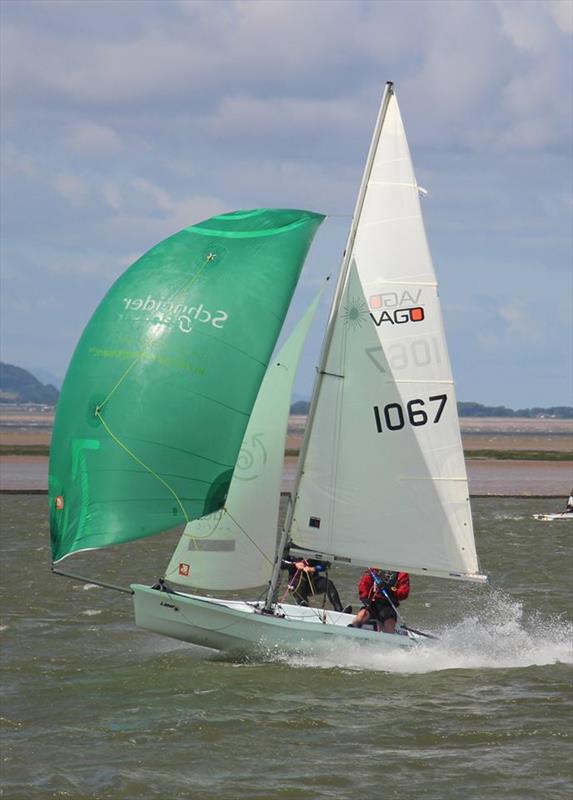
point(301, 408)
point(500, 455)
point(24, 450)
point(518, 455)
point(496, 455)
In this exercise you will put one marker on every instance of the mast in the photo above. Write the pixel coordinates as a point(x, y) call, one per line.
point(342, 279)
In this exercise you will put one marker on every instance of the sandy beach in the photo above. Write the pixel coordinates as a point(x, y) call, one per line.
point(29, 429)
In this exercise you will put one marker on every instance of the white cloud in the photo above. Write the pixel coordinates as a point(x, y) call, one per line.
point(17, 163)
point(142, 227)
point(305, 64)
point(91, 137)
point(79, 266)
point(177, 211)
point(520, 325)
point(161, 199)
point(118, 130)
point(74, 189)
point(562, 11)
point(241, 115)
point(111, 194)
point(527, 25)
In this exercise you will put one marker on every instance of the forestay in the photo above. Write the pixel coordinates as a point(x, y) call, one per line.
point(383, 480)
point(234, 548)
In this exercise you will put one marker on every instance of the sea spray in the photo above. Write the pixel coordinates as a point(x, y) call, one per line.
point(499, 635)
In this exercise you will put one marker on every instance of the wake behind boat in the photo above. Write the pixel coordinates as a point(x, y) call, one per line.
point(163, 418)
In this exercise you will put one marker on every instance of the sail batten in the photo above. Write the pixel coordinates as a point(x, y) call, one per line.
point(433, 478)
point(386, 282)
point(426, 382)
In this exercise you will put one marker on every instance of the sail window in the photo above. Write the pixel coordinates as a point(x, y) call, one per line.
point(212, 545)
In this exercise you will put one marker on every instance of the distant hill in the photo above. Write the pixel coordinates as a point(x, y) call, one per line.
point(301, 408)
point(44, 376)
point(20, 386)
point(477, 410)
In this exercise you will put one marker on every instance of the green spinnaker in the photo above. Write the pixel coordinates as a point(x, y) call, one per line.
point(159, 391)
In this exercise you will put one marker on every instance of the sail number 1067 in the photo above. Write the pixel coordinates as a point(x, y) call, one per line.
point(393, 417)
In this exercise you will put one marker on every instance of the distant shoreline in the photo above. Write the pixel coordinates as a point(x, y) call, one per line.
point(21, 475)
point(484, 438)
point(504, 457)
point(491, 455)
point(22, 492)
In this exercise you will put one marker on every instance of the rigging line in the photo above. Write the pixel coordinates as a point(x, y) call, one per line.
point(384, 220)
point(141, 463)
point(290, 585)
point(191, 620)
point(264, 555)
point(388, 282)
point(195, 539)
point(189, 281)
point(255, 603)
point(324, 617)
point(138, 359)
point(117, 385)
point(316, 613)
point(394, 183)
point(424, 380)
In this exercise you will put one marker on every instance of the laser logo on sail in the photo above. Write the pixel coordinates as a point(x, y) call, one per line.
point(355, 312)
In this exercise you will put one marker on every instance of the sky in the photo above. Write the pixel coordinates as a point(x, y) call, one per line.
point(123, 122)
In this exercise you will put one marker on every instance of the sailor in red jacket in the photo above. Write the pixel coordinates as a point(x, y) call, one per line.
point(381, 592)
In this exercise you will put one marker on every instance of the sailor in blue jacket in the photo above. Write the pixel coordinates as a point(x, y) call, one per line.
point(308, 577)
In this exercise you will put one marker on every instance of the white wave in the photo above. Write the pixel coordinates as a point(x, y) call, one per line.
point(91, 612)
point(497, 637)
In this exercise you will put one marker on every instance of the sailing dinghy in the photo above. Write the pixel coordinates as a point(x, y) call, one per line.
point(169, 414)
point(554, 517)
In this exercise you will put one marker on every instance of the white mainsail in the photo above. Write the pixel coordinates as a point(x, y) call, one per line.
point(383, 479)
point(235, 548)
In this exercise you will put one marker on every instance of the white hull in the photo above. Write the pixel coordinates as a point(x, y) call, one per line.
point(552, 517)
point(238, 625)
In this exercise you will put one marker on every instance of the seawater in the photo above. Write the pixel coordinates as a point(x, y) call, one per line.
point(95, 708)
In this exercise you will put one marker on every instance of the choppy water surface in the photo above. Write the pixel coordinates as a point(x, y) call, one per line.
point(95, 708)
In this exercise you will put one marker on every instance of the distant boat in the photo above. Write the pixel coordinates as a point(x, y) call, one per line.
point(151, 419)
point(566, 514)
